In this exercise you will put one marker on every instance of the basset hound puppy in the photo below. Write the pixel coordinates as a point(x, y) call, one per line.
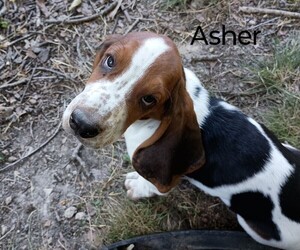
point(174, 130)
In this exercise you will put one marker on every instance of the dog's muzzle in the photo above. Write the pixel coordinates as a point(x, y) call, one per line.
point(83, 124)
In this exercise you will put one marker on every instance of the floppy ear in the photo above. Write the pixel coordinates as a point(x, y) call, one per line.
point(175, 149)
point(104, 46)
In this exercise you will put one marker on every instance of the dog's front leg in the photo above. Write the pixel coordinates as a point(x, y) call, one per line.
point(138, 187)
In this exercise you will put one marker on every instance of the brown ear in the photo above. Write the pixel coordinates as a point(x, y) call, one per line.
point(175, 148)
point(104, 46)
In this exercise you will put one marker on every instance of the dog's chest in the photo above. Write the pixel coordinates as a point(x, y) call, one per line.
point(139, 132)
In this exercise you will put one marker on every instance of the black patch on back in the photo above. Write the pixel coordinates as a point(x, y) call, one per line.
point(256, 210)
point(234, 148)
point(290, 192)
point(197, 91)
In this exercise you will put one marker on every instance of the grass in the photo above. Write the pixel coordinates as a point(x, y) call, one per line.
point(184, 208)
point(281, 72)
point(128, 218)
point(3, 23)
point(280, 77)
point(284, 121)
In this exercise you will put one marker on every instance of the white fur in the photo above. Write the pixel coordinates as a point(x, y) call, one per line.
point(107, 98)
point(228, 106)
point(139, 132)
point(135, 135)
point(138, 187)
point(201, 102)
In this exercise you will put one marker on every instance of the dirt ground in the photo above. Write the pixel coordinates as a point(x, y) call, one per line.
point(46, 53)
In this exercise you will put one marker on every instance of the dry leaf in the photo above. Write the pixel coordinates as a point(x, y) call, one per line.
point(43, 8)
point(44, 55)
point(74, 4)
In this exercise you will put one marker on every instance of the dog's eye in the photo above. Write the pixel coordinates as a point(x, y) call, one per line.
point(109, 62)
point(148, 100)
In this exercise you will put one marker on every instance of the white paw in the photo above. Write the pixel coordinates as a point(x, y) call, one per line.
point(138, 187)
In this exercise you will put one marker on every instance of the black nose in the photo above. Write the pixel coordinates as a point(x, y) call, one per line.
point(83, 124)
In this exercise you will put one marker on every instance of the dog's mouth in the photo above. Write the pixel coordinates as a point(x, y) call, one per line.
point(106, 137)
point(94, 143)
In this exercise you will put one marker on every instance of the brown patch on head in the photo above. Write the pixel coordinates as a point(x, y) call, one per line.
point(121, 48)
point(158, 81)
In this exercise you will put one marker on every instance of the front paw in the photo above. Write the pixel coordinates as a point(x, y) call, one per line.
point(138, 187)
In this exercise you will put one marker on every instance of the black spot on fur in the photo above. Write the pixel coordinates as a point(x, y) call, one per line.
point(256, 210)
point(197, 91)
point(235, 150)
point(290, 192)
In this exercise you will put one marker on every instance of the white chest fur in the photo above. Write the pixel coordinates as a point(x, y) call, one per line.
point(138, 132)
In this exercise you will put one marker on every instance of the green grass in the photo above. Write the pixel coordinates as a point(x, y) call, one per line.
point(284, 121)
point(3, 23)
point(118, 218)
point(279, 77)
point(128, 219)
point(281, 72)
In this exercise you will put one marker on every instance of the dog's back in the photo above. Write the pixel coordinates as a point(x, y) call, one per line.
point(250, 170)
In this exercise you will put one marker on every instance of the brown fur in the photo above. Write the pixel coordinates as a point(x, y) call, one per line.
point(176, 147)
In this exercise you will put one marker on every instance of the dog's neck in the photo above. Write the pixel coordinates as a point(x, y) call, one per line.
point(199, 95)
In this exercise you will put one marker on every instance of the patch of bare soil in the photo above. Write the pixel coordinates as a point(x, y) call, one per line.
point(46, 53)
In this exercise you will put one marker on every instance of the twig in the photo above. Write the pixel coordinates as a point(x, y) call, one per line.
point(132, 26)
point(84, 19)
point(78, 49)
point(7, 85)
point(126, 14)
point(114, 12)
point(56, 72)
point(13, 228)
point(206, 58)
point(270, 11)
point(76, 157)
point(34, 151)
point(264, 23)
point(28, 83)
point(76, 151)
point(7, 44)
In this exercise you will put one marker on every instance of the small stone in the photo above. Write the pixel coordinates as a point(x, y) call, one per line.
point(3, 229)
point(8, 200)
point(211, 50)
point(32, 101)
point(69, 212)
point(80, 216)
point(47, 223)
point(91, 209)
point(50, 240)
point(48, 191)
point(252, 22)
point(12, 159)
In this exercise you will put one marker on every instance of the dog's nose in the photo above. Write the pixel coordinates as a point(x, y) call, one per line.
point(83, 124)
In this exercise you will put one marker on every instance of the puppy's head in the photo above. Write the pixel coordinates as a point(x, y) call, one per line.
point(140, 76)
point(132, 78)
